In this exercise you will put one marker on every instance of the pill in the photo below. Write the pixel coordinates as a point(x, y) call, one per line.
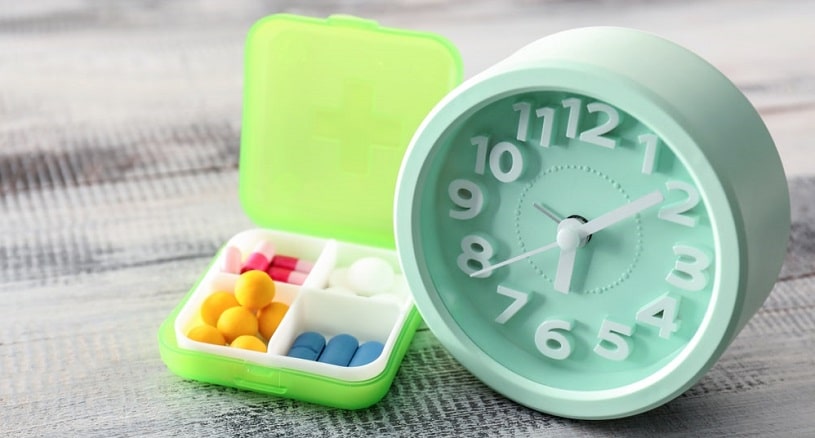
point(366, 353)
point(303, 353)
point(307, 345)
point(237, 321)
point(206, 333)
point(231, 260)
point(260, 258)
point(292, 263)
point(286, 275)
point(254, 289)
point(339, 350)
point(214, 306)
point(269, 318)
point(337, 278)
point(249, 342)
point(370, 275)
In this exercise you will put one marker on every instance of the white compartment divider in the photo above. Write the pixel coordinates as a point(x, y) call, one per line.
point(312, 308)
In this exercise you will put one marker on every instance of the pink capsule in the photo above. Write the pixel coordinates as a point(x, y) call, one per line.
point(260, 258)
point(286, 275)
point(292, 263)
point(231, 261)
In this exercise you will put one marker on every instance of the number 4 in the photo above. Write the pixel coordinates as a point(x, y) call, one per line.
point(661, 313)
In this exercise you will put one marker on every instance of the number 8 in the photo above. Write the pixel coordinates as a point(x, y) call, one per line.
point(478, 250)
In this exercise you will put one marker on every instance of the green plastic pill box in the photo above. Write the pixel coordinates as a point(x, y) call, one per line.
point(330, 106)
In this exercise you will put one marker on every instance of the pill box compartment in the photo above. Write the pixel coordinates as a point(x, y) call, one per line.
point(387, 317)
point(329, 108)
point(314, 306)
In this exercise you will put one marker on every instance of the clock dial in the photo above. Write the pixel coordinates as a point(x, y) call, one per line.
point(587, 224)
point(566, 239)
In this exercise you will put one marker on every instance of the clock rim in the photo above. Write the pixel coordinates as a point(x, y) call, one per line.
point(649, 107)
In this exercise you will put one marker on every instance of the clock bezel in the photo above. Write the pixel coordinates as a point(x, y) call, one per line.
point(650, 108)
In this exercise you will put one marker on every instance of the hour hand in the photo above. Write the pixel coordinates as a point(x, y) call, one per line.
point(569, 238)
point(565, 267)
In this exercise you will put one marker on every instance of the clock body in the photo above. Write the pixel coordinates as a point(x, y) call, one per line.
point(588, 224)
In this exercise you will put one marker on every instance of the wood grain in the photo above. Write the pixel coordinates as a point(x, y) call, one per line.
point(119, 132)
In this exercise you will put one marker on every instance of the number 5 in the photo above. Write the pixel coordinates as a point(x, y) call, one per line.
point(612, 333)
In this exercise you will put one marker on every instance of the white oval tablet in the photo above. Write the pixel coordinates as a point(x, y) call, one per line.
point(370, 275)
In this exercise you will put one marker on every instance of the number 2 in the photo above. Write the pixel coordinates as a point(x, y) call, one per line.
point(677, 212)
point(595, 135)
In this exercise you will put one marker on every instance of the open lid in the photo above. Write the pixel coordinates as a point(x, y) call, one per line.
point(329, 109)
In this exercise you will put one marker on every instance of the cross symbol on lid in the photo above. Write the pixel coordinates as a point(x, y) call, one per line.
point(357, 127)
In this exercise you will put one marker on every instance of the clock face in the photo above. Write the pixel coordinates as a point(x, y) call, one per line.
point(587, 224)
point(565, 238)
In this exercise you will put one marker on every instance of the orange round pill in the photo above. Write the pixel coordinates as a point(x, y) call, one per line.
point(215, 304)
point(254, 289)
point(206, 333)
point(269, 318)
point(249, 342)
point(237, 321)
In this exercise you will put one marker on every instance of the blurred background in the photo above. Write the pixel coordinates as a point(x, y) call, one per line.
point(112, 65)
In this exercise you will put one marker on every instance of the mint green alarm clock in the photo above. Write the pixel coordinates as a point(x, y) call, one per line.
point(588, 224)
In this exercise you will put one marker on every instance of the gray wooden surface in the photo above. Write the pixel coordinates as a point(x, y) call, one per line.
point(119, 128)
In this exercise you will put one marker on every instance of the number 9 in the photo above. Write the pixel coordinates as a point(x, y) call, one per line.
point(467, 195)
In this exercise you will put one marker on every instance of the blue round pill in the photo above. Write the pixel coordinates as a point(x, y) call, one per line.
point(366, 353)
point(339, 350)
point(303, 353)
point(307, 345)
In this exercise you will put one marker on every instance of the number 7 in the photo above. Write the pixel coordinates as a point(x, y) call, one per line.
point(520, 300)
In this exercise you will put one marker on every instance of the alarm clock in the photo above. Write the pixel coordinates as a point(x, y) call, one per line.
point(588, 224)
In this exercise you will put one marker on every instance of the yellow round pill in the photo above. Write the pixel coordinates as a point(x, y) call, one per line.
point(206, 333)
point(249, 342)
point(214, 306)
point(237, 321)
point(254, 289)
point(269, 318)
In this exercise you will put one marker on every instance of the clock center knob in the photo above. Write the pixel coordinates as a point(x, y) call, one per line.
point(569, 235)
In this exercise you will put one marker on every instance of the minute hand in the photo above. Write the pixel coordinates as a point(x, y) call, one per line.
point(622, 213)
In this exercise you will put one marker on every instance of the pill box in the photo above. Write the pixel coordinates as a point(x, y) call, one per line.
point(329, 107)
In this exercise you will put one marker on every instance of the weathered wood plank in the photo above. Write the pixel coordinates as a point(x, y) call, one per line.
point(119, 132)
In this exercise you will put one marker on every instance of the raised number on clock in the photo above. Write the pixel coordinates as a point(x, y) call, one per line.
point(573, 109)
point(519, 300)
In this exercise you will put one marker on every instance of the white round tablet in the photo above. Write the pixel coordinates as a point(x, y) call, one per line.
point(370, 275)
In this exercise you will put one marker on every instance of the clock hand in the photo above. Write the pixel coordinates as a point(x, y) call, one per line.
point(569, 238)
point(515, 259)
point(572, 234)
point(622, 213)
point(548, 212)
point(575, 234)
point(565, 266)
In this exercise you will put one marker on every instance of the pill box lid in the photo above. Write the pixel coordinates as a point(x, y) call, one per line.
point(330, 106)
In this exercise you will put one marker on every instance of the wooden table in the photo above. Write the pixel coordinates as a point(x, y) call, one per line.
point(119, 132)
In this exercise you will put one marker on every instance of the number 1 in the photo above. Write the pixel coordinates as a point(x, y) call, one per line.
point(523, 119)
point(649, 162)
